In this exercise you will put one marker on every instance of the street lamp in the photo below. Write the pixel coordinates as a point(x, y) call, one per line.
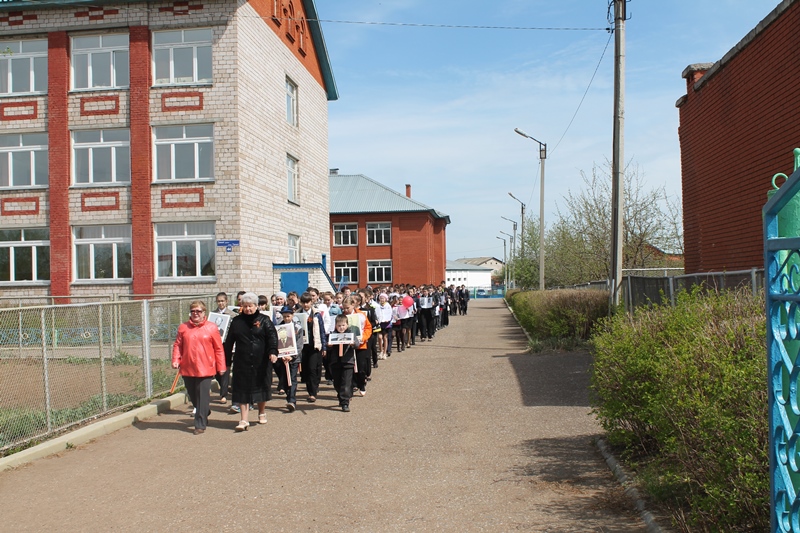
point(521, 224)
point(542, 157)
point(513, 247)
point(504, 261)
point(511, 239)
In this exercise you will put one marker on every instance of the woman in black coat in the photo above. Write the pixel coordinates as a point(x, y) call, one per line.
point(254, 343)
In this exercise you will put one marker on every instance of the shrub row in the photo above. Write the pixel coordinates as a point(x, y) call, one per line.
point(559, 314)
point(684, 391)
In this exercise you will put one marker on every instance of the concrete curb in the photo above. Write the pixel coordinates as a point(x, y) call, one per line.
point(92, 431)
point(527, 335)
point(623, 477)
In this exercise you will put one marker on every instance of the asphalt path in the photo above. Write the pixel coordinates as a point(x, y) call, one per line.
point(468, 432)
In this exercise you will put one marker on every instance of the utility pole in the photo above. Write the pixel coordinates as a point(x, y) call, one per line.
point(617, 161)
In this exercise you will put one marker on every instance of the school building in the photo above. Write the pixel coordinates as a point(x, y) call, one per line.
point(157, 147)
point(380, 237)
point(737, 130)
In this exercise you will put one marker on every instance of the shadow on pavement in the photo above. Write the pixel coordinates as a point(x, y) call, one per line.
point(556, 379)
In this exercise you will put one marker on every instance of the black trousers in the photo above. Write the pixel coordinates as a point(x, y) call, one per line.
point(312, 369)
point(364, 366)
point(199, 391)
point(427, 323)
point(342, 381)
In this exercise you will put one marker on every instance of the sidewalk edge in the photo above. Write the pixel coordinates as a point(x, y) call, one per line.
point(630, 491)
point(92, 431)
point(527, 335)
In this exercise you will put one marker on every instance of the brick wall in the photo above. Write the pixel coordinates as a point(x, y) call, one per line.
point(737, 130)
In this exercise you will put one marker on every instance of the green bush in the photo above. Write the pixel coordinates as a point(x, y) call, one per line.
point(683, 390)
point(559, 314)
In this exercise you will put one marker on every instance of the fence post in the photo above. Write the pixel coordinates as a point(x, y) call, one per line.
point(753, 282)
point(148, 382)
point(102, 358)
point(47, 406)
point(672, 290)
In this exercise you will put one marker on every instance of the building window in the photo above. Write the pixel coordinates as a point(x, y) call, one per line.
point(379, 271)
point(184, 152)
point(100, 61)
point(294, 248)
point(102, 252)
point(23, 160)
point(23, 67)
point(182, 56)
point(345, 234)
point(291, 102)
point(291, 178)
point(345, 271)
point(185, 250)
point(24, 255)
point(379, 233)
point(102, 156)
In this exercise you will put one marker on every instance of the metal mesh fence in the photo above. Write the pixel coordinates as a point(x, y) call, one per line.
point(61, 365)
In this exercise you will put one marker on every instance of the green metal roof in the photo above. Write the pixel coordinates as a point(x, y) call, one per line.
point(358, 194)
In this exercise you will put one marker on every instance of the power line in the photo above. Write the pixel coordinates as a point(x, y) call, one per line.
point(457, 26)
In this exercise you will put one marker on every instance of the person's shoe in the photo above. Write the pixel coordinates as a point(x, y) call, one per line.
point(281, 392)
point(345, 408)
point(362, 392)
point(262, 419)
point(311, 399)
point(242, 426)
point(388, 354)
point(199, 431)
point(375, 364)
point(223, 401)
point(328, 382)
point(291, 407)
point(235, 409)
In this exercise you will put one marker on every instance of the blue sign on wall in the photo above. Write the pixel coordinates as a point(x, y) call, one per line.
point(228, 244)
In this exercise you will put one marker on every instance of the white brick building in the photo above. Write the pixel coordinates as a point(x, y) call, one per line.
point(137, 138)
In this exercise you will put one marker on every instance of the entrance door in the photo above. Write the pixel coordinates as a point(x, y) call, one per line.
point(294, 281)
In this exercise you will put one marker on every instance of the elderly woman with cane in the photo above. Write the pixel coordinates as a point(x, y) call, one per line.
point(198, 355)
point(256, 349)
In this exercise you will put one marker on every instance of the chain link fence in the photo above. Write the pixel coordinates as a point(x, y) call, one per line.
point(62, 365)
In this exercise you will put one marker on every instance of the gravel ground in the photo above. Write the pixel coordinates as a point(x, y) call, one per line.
point(465, 433)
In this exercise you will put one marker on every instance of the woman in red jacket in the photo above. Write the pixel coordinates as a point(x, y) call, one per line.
point(199, 355)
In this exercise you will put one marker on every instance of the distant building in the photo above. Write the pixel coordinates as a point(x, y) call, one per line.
point(496, 265)
point(472, 276)
point(161, 146)
point(738, 128)
point(379, 236)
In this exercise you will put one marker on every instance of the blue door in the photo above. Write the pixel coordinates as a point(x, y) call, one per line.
point(294, 281)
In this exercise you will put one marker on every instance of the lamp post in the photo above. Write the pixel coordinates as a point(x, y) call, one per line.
point(542, 157)
point(521, 224)
point(504, 260)
point(511, 240)
point(513, 248)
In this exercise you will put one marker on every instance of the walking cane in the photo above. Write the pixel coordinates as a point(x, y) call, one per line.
point(175, 381)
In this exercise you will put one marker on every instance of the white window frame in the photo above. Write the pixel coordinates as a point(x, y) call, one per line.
point(119, 245)
point(169, 48)
point(189, 136)
point(120, 150)
point(292, 178)
point(346, 231)
point(190, 234)
point(342, 267)
point(291, 102)
point(293, 246)
point(35, 245)
point(35, 145)
point(376, 230)
point(374, 267)
point(119, 73)
point(21, 51)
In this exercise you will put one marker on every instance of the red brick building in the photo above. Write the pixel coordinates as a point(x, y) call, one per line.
point(738, 127)
point(379, 236)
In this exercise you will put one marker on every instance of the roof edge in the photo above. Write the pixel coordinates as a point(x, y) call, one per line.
point(322, 50)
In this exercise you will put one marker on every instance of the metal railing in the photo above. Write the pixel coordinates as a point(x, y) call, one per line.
point(62, 365)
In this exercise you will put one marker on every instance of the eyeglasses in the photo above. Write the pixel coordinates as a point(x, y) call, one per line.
point(198, 311)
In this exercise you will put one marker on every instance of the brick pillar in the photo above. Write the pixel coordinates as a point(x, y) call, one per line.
point(59, 163)
point(141, 162)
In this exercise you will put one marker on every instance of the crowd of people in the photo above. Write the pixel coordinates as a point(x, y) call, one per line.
point(339, 337)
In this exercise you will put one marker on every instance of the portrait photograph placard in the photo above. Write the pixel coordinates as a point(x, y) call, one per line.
point(348, 337)
point(222, 321)
point(287, 343)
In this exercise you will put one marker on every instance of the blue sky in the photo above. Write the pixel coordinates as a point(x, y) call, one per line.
point(437, 107)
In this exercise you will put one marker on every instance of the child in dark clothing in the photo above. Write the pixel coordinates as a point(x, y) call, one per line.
point(343, 358)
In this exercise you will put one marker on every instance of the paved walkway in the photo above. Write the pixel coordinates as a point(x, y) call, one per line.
point(466, 433)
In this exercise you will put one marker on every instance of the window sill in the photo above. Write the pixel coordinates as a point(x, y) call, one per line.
point(183, 85)
point(178, 182)
point(27, 283)
point(125, 184)
point(292, 202)
point(117, 281)
point(25, 188)
point(98, 89)
point(185, 281)
point(22, 95)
